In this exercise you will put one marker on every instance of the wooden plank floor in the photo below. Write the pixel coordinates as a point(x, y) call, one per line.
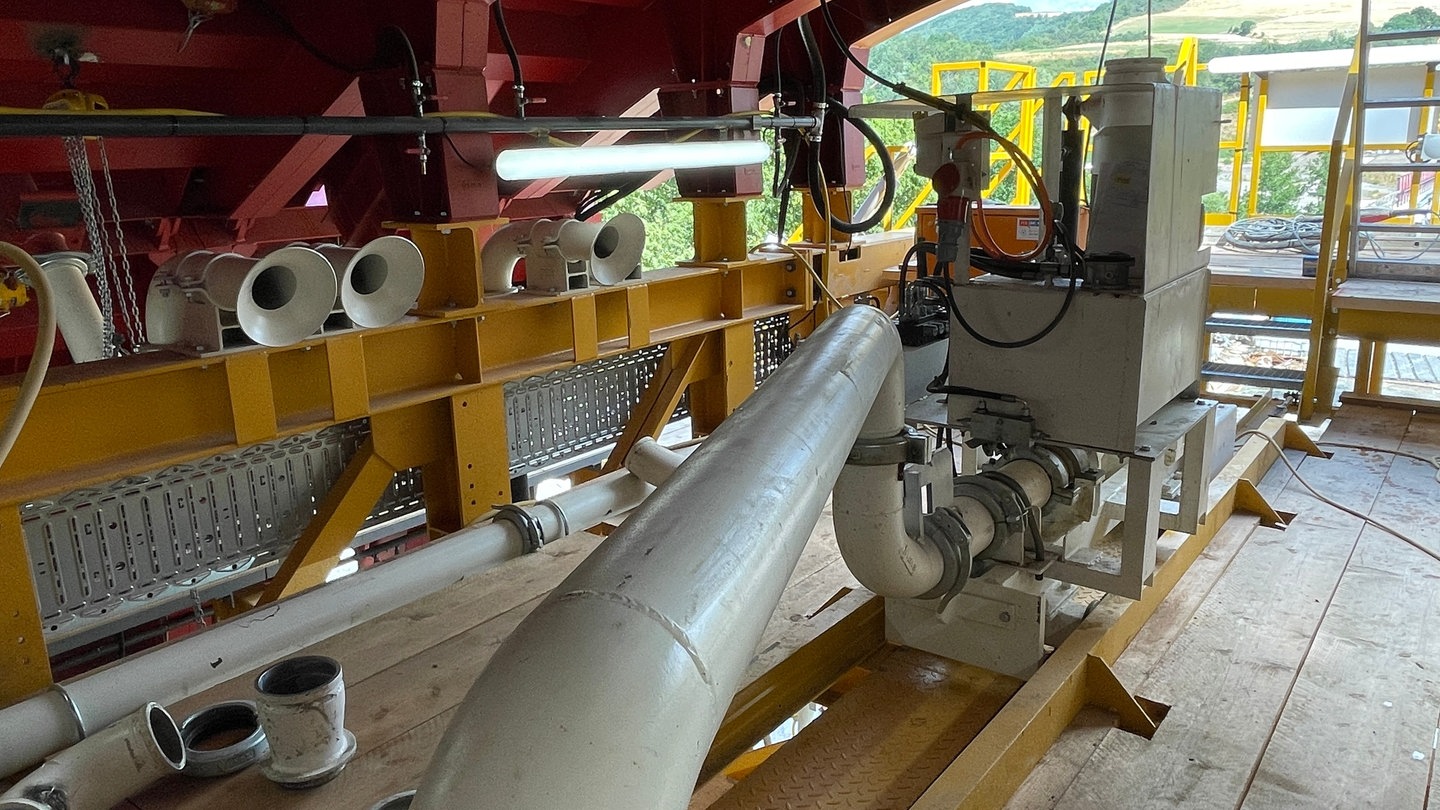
point(1302, 665)
point(406, 672)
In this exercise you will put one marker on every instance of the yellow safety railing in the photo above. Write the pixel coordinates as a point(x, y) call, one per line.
point(991, 75)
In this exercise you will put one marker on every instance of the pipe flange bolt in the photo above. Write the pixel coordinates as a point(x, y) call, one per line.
point(207, 734)
point(532, 534)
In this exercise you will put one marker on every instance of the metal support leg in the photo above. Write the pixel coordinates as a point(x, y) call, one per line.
point(714, 399)
point(1142, 526)
point(24, 664)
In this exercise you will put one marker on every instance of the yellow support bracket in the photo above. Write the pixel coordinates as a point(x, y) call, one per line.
point(1250, 500)
point(1297, 439)
point(26, 665)
point(661, 397)
point(1137, 715)
point(341, 515)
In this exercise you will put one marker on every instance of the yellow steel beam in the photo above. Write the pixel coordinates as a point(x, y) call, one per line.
point(338, 520)
point(989, 770)
point(150, 411)
point(798, 679)
point(713, 399)
point(661, 396)
point(26, 665)
point(720, 229)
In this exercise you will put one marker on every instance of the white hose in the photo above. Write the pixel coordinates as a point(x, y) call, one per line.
point(40, 358)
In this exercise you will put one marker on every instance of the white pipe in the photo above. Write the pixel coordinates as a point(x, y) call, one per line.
point(39, 359)
point(869, 518)
point(609, 694)
point(500, 254)
point(62, 715)
point(653, 462)
point(76, 312)
point(105, 768)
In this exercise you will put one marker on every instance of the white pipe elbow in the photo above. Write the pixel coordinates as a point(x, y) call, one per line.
point(653, 462)
point(76, 313)
point(870, 532)
point(500, 255)
point(105, 768)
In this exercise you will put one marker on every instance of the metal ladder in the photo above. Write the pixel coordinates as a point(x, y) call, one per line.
point(1344, 231)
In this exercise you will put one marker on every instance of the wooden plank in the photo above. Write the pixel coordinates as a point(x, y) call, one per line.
point(1359, 727)
point(1383, 428)
point(406, 671)
point(1228, 672)
point(1421, 298)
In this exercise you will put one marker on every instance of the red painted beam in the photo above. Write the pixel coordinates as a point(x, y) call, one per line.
point(305, 157)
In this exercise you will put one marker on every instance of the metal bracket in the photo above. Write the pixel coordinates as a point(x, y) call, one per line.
point(532, 535)
point(906, 447)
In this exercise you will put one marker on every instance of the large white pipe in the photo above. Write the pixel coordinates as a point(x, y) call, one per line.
point(609, 694)
point(62, 715)
point(105, 768)
point(76, 312)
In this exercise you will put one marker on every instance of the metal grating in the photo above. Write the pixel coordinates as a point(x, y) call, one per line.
point(91, 550)
point(195, 527)
point(772, 345)
point(569, 412)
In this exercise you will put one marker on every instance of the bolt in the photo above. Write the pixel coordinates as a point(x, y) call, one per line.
point(790, 267)
point(1005, 616)
point(1144, 448)
point(789, 292)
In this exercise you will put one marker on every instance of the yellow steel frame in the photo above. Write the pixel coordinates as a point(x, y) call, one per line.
point(989, 770)
point(432, 387)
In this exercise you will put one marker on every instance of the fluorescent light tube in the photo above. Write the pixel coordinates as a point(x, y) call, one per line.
point(547, 162)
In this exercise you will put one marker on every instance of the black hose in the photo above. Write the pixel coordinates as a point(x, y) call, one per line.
point(946, 287)
point(888, 178)
point(818, 84)
point(519, 78)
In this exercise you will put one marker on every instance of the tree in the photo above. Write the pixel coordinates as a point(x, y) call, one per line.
point(1416, 19)
point(1245, 28)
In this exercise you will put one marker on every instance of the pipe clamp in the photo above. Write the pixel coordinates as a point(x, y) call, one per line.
point(532, 534)
point(905, 447)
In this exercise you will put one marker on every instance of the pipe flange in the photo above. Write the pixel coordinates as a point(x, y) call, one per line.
point(1051, 461)
point(984, 491)
point(532, 534)
point(946, 528)
point(212, 725)
point(80, 731)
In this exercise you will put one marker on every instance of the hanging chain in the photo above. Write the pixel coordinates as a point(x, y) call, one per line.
point(134, 327)
point(79, 161)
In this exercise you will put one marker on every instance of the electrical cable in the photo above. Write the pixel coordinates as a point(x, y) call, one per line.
point(805, 260)
point(1022, 161)
point(887, 176)
point(1433, 461)
point(34, 378)
point(1382, 526)
point(518, 81)
point(945, 284)
point(1105, 43)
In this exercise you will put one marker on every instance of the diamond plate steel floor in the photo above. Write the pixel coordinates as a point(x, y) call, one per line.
point(881, 744)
